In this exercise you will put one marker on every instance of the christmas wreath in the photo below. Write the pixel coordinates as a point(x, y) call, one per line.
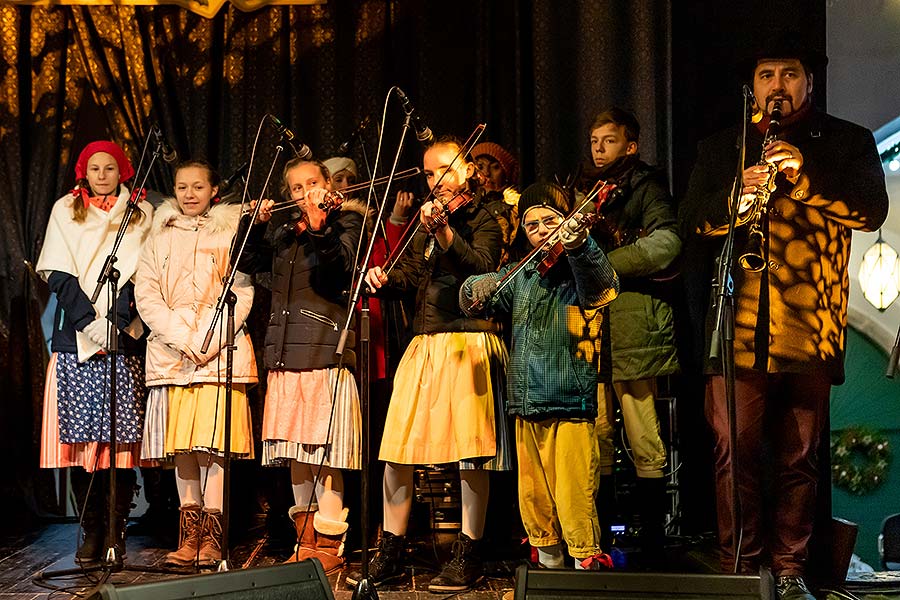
point(859, 460)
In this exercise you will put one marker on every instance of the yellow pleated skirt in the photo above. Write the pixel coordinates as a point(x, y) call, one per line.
point(186, 419)
point(443, 407)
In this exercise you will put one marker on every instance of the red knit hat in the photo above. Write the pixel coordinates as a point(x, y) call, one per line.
point(507, 161)
point(126, 171)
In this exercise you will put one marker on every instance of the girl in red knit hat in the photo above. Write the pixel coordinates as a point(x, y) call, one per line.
point(76, 426)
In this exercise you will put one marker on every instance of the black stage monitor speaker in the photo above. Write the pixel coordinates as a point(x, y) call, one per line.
point(545, 584)
point(304, 579)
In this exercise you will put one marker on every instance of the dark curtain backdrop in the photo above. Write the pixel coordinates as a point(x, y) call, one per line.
point(536, 71)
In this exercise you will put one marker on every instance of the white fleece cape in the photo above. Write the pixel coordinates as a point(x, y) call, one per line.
point(80, 249)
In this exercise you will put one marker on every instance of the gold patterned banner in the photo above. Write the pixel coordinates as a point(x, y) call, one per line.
point(205, 8)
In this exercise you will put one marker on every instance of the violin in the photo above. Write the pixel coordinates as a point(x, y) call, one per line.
point(410, 231)
point(460, 199)
point(554, 251)
point(300, 225)
point(331, 201)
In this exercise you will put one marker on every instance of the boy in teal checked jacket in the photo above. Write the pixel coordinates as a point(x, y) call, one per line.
point(559, 367)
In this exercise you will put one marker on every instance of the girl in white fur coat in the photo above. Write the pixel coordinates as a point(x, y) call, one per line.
point(180, 278)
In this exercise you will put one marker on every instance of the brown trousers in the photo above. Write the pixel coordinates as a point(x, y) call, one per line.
point(779, 416)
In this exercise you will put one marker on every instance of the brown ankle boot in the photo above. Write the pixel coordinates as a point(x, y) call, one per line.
point(211, 538)
point(188, 539)
point(306, 535)
point(330, 537)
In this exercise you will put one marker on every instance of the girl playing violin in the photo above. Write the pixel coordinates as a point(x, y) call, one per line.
point(559, 360)
point(311, 419)
point(446, 389)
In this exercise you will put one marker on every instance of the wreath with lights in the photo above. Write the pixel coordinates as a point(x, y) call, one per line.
point(859, 460)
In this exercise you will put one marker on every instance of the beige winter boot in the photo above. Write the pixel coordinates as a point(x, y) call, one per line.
point(211, 538)
point(189, 537)
point(330, 536)
point(306, 535)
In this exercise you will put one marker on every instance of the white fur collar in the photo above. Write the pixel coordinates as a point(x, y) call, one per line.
point(220, 217)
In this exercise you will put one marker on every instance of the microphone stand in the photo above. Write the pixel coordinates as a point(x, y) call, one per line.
point(362, 149)
point(722, 339)
point(895, 354)
point(228, 297)
point(109, 273)
point(365, 589)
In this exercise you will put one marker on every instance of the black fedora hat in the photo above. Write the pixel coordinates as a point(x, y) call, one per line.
point(783, 44)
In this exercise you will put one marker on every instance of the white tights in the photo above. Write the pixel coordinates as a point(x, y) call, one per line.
point(398, 490)
point(329, 489)
point(200, 477)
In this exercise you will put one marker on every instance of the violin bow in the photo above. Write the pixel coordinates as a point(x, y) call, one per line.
point(415, 223)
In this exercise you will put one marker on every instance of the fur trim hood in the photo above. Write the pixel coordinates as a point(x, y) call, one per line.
point(359, 207)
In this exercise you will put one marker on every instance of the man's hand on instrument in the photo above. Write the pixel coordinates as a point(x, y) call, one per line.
point(754, 179)
point(786, 157)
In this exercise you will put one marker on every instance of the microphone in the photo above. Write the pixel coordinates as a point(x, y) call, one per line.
point(423, 132)
point(288, 135)
point(345, 147)
point(756, 112)
point(168, 153)
point(239, 173)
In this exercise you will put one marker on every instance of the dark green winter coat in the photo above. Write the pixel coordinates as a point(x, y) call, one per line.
point(641, 321)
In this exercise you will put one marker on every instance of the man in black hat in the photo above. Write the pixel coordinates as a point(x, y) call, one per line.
point(791, 313)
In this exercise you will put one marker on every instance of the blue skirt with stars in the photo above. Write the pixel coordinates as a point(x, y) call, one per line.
point(83, 398)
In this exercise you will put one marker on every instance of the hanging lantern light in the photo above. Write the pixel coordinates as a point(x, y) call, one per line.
point(879, 274)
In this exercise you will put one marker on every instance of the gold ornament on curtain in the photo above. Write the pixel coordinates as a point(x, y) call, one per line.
point(205, 8)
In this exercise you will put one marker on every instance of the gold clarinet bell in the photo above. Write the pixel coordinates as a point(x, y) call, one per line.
point(752, 258)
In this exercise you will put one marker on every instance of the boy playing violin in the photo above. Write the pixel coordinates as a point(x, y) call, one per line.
point(559, 367)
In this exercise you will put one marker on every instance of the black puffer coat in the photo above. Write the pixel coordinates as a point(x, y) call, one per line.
point(476, 248)
point(311, 276)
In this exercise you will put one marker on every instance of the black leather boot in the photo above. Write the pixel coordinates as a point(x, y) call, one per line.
point(651, 502)
point(126, 484)
point(464, 569)
point(792, 587)
point(92, 517)
point(387, 563)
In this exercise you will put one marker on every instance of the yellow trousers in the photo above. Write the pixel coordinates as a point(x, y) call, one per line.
point(559, 462)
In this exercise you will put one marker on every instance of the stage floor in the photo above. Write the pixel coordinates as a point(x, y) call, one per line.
point(52, 547)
